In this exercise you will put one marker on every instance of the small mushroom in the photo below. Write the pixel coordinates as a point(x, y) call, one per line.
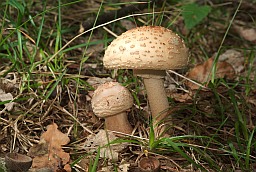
point(16, 162)
point(111, 101)
point(149, 51)
point(149, 164)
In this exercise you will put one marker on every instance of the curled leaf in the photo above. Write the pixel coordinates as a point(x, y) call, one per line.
point(202, 72)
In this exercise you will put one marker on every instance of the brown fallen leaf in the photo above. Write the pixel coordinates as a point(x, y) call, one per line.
point(248, 34)
point(5, 97)
point(127, 24)
point(235, 58)
point(181, 97)
point(202, 72)
point(49, 152)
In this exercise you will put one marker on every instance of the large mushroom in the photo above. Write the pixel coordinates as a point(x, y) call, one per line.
point(149, 51)
point(111, 101)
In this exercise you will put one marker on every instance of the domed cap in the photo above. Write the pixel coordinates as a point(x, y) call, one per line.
point(110, 99)
point(147, 47)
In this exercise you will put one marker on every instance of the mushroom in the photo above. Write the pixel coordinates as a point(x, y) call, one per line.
point(111, 101)
point(149, 51)
point(149, 164)
point(17, 162)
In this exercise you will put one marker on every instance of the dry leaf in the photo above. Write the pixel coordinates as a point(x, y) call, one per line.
point(106, 169)
point(248, 34)
point(96, 81)
point(49, 152)
point(123, 166)
point(9, 83)
point(202, 72)
point(233, 57)
point(127, 24)
point(102, 138)
point(95, 49)
point(32, 48)
point(181, 97)
point(39, 150)
point(5, 97)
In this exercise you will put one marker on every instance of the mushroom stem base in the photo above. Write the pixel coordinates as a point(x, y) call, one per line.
point(119, 123)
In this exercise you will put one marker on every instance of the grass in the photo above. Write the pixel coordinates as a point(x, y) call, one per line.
point(46, 63)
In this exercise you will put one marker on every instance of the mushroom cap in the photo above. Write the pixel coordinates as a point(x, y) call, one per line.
point(110, 99)
point(147, 47)
point(17, 162)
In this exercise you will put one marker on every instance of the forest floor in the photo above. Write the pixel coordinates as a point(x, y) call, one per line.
point(51, 63)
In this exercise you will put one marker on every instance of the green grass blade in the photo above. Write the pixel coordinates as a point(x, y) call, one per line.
point(55, 85)
point(234, 152)
point(241, 120)
point(248, 150)
point(96, 161)
point(151, 135)
point(175, 146)
point(214, 67)
point(41, 25)
point(17, 5)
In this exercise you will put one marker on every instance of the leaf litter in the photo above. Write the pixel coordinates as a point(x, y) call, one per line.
point(48, 152)
point(102, 139)
point(230, 63)
point(6, 97)
point(202, 73)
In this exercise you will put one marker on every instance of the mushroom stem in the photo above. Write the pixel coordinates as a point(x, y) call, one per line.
point(157, 98)
point(158, 102)
point(118, 122)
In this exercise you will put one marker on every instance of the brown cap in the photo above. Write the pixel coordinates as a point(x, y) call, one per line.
point(110, 99)
point(147, 47)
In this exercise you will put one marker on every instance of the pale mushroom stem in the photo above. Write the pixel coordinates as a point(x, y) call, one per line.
point(118, 122)
point(158, 102)
point(157, 98)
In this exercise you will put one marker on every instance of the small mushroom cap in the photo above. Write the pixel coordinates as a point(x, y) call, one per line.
point(110, 99)
point(17, 162)
point(147, 47)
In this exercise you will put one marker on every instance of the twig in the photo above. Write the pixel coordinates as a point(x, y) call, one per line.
point(65, 111)
point(190, 80)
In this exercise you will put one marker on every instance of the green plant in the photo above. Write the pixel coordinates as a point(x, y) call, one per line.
point(93, 165)
point(193, 14)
